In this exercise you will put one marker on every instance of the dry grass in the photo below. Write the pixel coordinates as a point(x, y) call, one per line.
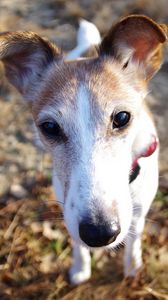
point(35, 254)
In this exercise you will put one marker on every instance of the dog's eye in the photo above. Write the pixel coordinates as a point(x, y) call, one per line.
point(121, 119)
point(52, 130)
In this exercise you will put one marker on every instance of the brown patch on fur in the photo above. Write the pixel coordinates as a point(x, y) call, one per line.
point(25, 56)
point(97, 75)
point(141, 34)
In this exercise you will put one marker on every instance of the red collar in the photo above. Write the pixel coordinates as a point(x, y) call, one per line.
point(135, 168)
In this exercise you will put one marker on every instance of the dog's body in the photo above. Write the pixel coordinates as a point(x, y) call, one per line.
point(90, 115)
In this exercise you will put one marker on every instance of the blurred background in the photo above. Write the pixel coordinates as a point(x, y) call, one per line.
point(34, 245)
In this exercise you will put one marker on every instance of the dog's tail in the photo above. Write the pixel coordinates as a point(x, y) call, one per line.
point(87, 36)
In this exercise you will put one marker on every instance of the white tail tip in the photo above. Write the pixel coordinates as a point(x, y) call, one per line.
point(87, 36)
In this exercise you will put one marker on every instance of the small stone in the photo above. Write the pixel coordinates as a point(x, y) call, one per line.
point(47, 262)
point(52, 234)
point(18, 191)
point(36, 227)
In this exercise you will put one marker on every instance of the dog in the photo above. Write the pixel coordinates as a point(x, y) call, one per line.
point(91, 116)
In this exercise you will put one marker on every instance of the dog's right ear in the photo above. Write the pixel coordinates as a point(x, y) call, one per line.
point(26, 57)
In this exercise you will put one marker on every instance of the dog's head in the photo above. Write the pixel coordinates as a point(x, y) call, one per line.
point(87, 113)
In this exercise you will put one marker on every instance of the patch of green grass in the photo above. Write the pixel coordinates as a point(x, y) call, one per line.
point(161, 197)
point(93, 262)
point(57, 246)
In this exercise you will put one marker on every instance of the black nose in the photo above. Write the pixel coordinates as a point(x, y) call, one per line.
point(98, 235)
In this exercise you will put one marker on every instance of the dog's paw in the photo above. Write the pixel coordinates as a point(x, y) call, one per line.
point(131, 271)
point(78, 276)
point(132, 265)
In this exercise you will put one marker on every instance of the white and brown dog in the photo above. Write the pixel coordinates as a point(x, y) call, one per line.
point(91, 115)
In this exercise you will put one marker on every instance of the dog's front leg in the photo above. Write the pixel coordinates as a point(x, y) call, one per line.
point(133, 251)
point(81, 268)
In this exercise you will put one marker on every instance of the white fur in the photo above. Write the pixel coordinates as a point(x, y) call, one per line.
point(87, 36)
point(91, 159)
point(96, 176)
point(81, 268)
point(143, 191)
point(101, 181)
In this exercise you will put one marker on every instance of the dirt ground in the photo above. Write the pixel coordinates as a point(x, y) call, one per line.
point(35, 249)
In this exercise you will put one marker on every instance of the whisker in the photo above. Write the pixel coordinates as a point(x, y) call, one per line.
point(123, 243)
point(132, 232)
point(135, 209)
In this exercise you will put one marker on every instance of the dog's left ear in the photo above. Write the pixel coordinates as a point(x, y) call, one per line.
point(26, 57)
point(136, 39)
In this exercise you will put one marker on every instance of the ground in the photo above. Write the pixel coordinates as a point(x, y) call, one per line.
point(34, 245)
